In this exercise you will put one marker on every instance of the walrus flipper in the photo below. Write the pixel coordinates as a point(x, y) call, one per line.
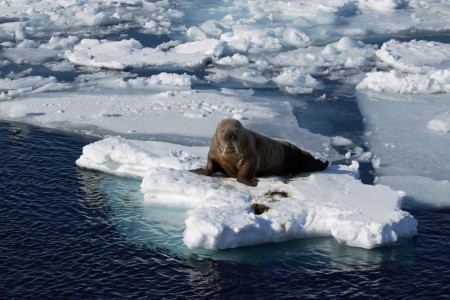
point(246, 174)
point(200, 171)
point(211, 167)
point(313, 165)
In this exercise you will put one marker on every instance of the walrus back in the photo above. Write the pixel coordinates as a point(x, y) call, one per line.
point(271, 156)
point(286, 158)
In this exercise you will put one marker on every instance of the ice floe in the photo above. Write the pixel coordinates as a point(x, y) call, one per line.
point(12, 87)
point(343, 54)
point(415, 56)
point(175, 113)
point(294, 81)
point(405, 83)
point(404, 132)
point(130, 53)
point(418, 67)
point(226, 214)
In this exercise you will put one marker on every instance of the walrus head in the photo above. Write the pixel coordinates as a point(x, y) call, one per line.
point(228, 134)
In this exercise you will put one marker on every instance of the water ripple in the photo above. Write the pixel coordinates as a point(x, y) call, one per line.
point(63, 236)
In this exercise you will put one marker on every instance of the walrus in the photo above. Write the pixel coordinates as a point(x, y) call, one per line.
point(243, 154)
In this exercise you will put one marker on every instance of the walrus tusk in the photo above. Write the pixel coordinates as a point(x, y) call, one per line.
point(236, 148)
point(224, 149)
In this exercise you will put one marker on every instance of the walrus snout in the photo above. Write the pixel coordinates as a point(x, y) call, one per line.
point(230, 136)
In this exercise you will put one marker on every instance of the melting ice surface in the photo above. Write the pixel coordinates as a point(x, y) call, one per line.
point(170, 70)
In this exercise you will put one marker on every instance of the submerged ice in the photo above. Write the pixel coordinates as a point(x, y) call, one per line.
point(170, 70)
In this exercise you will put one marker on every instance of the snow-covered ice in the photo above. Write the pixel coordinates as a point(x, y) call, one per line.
point(192, 114)
point(223, 213)
point(415, 56)
point(418, 67)
point(412, 155)
point(407, 119)
point(127, 54)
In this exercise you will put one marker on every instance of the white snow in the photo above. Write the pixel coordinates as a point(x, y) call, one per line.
point(221, 214)
point(419, 67)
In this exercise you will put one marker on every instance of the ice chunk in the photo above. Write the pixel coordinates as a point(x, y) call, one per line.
point(21, 55)
point(295, 37)
point(415, 56)
point(339, 141)
point(440, 123)
point(252, 39)
point(131, 54)
point(385, 5)
point(195, 34)
point(28, 51)
point(237, 60)
point(11, 88)
point(419, 67)
point(397, 82)
point(296, 81)
point(243, 74)
point(346, 53)
point(167, 79)
point(227, 214)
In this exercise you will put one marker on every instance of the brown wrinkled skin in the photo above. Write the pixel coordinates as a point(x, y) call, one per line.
point(244, 154)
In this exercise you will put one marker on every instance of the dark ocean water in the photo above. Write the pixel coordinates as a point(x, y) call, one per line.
point(61, 237)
